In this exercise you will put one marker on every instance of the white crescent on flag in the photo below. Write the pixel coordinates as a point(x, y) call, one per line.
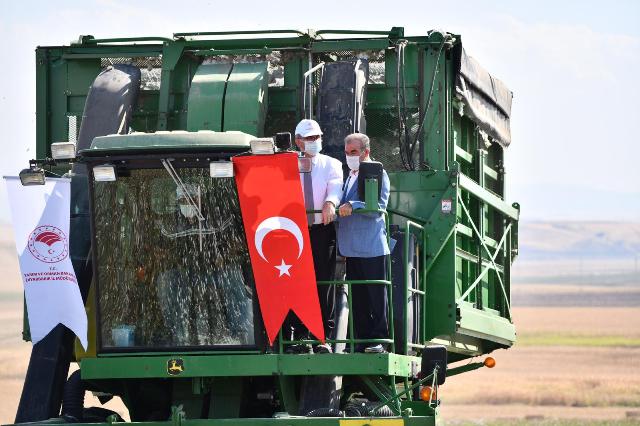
point(277, 222)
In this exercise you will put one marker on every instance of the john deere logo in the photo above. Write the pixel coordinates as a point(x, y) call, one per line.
point(175, 366)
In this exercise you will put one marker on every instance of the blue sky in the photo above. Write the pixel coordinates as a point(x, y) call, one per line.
point(573, 67)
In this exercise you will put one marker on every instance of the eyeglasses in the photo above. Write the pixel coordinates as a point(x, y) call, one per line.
point(310, 138)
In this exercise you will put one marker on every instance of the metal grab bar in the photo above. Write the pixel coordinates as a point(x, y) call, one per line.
point(408, 226)
point(124, 40)
point(361, 32)
point(220, 33)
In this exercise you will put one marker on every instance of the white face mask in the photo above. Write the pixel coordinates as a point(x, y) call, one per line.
point(313, 147)
point(187, 210)
point(353, 161)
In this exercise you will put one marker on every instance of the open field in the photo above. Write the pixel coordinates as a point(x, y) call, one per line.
point(575, 362)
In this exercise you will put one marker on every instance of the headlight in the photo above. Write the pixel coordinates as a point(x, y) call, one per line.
point(32, 176)
point(262, 146)
point(104, 173)
point(221, 169)
point(63, 150)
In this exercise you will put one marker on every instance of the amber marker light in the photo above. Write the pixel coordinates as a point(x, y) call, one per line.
point(489, 362)
point(427, 393)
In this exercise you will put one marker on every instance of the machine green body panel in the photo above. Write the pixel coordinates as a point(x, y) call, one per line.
point(250, 365)
point(245, 101)
point(206, 95)
point(176, 140)
point(179, 418)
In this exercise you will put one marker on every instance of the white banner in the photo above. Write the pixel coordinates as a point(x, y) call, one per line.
point(41, 225)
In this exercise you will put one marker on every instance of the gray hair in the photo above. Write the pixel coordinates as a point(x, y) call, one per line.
point(361, 137)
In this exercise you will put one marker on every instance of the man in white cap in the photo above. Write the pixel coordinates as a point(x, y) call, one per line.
point(322, 188)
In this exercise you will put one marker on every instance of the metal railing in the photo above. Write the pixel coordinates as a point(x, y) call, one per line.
point(418, 290)
point(351, 340)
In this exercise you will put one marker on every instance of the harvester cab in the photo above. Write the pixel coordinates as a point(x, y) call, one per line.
point(157, 239)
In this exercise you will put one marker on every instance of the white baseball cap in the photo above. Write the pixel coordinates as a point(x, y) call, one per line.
point(308, 128)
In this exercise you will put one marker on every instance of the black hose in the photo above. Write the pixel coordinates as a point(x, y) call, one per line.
point(73, 397)
point(325, 412)
point(366, 409)
point(383, 411)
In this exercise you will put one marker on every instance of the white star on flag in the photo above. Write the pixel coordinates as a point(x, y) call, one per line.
point(283, 268)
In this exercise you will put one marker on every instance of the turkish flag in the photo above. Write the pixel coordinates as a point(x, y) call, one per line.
point(275, 224)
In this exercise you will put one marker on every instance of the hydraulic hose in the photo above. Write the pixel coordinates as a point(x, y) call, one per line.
point(366, 409)
point(73, 397)
point(325, 412)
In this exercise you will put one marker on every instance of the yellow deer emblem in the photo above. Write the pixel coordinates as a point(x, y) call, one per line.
point(175, 367)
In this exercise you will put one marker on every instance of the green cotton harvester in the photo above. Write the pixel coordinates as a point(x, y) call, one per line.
point(174, 325)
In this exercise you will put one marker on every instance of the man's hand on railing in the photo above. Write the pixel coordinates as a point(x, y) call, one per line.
point(328, 212)
point(345, 210)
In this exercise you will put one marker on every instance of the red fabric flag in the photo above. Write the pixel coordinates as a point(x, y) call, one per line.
point(275, 224)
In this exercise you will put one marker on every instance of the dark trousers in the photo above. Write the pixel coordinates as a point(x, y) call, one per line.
point(323, 249)
point(370, 301)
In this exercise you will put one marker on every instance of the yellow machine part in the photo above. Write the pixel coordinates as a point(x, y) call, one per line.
point(91, 332)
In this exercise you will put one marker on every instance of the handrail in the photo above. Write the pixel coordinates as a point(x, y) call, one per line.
point(352, 341)
point(124, 40)
point(408, 225)
point(217, 33)
point(363, 32)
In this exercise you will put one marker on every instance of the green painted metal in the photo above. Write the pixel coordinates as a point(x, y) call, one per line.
point(220, 365)
point(206, 96)
point(179, 418)
point(464, 368)
point(217, 33)
point(246, 99)
point(168, 140)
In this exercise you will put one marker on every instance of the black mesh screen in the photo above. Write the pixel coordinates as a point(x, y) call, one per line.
point(140, 62)
point(383, 130)
point(382, 124)
point(278, 121)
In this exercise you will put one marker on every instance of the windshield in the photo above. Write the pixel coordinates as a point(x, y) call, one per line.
point(172, 261)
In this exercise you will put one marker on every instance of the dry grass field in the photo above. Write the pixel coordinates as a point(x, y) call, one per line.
point(580, 365)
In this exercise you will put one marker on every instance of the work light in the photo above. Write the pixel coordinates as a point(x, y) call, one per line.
point(104, 173)
point(63, 150)
point(221, 169)
point(262, 146)
point(34, 175)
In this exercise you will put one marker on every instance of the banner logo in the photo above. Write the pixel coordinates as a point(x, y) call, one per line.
point(48, 244)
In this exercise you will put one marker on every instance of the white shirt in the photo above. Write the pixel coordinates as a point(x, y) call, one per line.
point(353, 176)
point(326, 179)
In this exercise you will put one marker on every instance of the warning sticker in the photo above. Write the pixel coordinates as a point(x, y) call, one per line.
point(446, 206)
